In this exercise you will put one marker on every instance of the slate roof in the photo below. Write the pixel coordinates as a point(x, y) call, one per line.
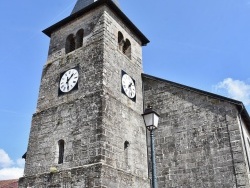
point(240, 106)
point(92, 6)
point(81, 4)
point(9, 183)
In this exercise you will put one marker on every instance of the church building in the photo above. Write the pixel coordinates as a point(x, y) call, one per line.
point(88, 130)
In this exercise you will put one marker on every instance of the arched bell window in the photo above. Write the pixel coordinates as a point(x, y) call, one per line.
point(120, 40)
point(70, 44)
point(127, 48)
point(79, 38)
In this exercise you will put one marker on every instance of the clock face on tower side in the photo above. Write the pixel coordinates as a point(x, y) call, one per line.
point(128, 86)
point(68, 81)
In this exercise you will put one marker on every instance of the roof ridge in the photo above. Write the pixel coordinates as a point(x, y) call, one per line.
point(240, 106)
point(194, 89)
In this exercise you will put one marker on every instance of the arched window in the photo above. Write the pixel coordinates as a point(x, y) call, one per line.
point(61, 151)
point(120, 40)
point(79, 38)
point(126, 152)
point(126, 145)
point(70, 44)
point(127, 48)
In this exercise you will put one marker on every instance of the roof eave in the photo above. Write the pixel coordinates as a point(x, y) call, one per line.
point(240, 106)
point(112, 6)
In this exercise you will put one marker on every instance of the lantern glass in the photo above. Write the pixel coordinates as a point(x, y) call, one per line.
point(148, 120)
point(155, 120)
point(151, 119)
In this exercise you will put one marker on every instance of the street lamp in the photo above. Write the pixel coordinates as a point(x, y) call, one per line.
point(151, 119)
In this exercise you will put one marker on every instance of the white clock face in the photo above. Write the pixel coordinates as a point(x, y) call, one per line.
point(68, 80)
point(128, 86)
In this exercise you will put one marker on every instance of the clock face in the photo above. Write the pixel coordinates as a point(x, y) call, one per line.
point(68, 80)
point(128, 86)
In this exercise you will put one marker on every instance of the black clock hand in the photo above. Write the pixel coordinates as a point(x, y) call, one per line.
point(71, 76)
point(67, 80)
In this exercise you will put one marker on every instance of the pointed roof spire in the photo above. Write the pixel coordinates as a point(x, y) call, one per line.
point(80, 4)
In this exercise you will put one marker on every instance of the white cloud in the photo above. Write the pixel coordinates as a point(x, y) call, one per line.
point(236, 89)
point(5, 160)
point(20, 163)
point(11, 173)
point(8, 168)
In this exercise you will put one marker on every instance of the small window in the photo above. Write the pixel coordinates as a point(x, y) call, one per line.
point(126, 153)
point(79, 38)
point(120, 40)
point(126, 145)
point(61, 151)
point(127, 48)
point(70, 44)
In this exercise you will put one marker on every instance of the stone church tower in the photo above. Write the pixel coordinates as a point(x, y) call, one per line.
point(88, 130)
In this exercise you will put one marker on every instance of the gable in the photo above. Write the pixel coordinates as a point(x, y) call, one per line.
point(161, 86)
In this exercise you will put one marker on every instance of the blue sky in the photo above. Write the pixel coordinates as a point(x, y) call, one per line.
point(198, 43)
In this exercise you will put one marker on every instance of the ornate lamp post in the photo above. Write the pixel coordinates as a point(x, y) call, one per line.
point(151, 119)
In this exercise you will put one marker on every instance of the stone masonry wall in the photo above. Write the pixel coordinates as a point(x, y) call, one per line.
point(94, 121)
point(93, 176)
point(198, 142)
point(89, 58)
point(81, 177)
point(77, 123)
point(121, 116)
point(74, 117)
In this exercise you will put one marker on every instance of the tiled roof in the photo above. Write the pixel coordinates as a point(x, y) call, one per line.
point(9, 183)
